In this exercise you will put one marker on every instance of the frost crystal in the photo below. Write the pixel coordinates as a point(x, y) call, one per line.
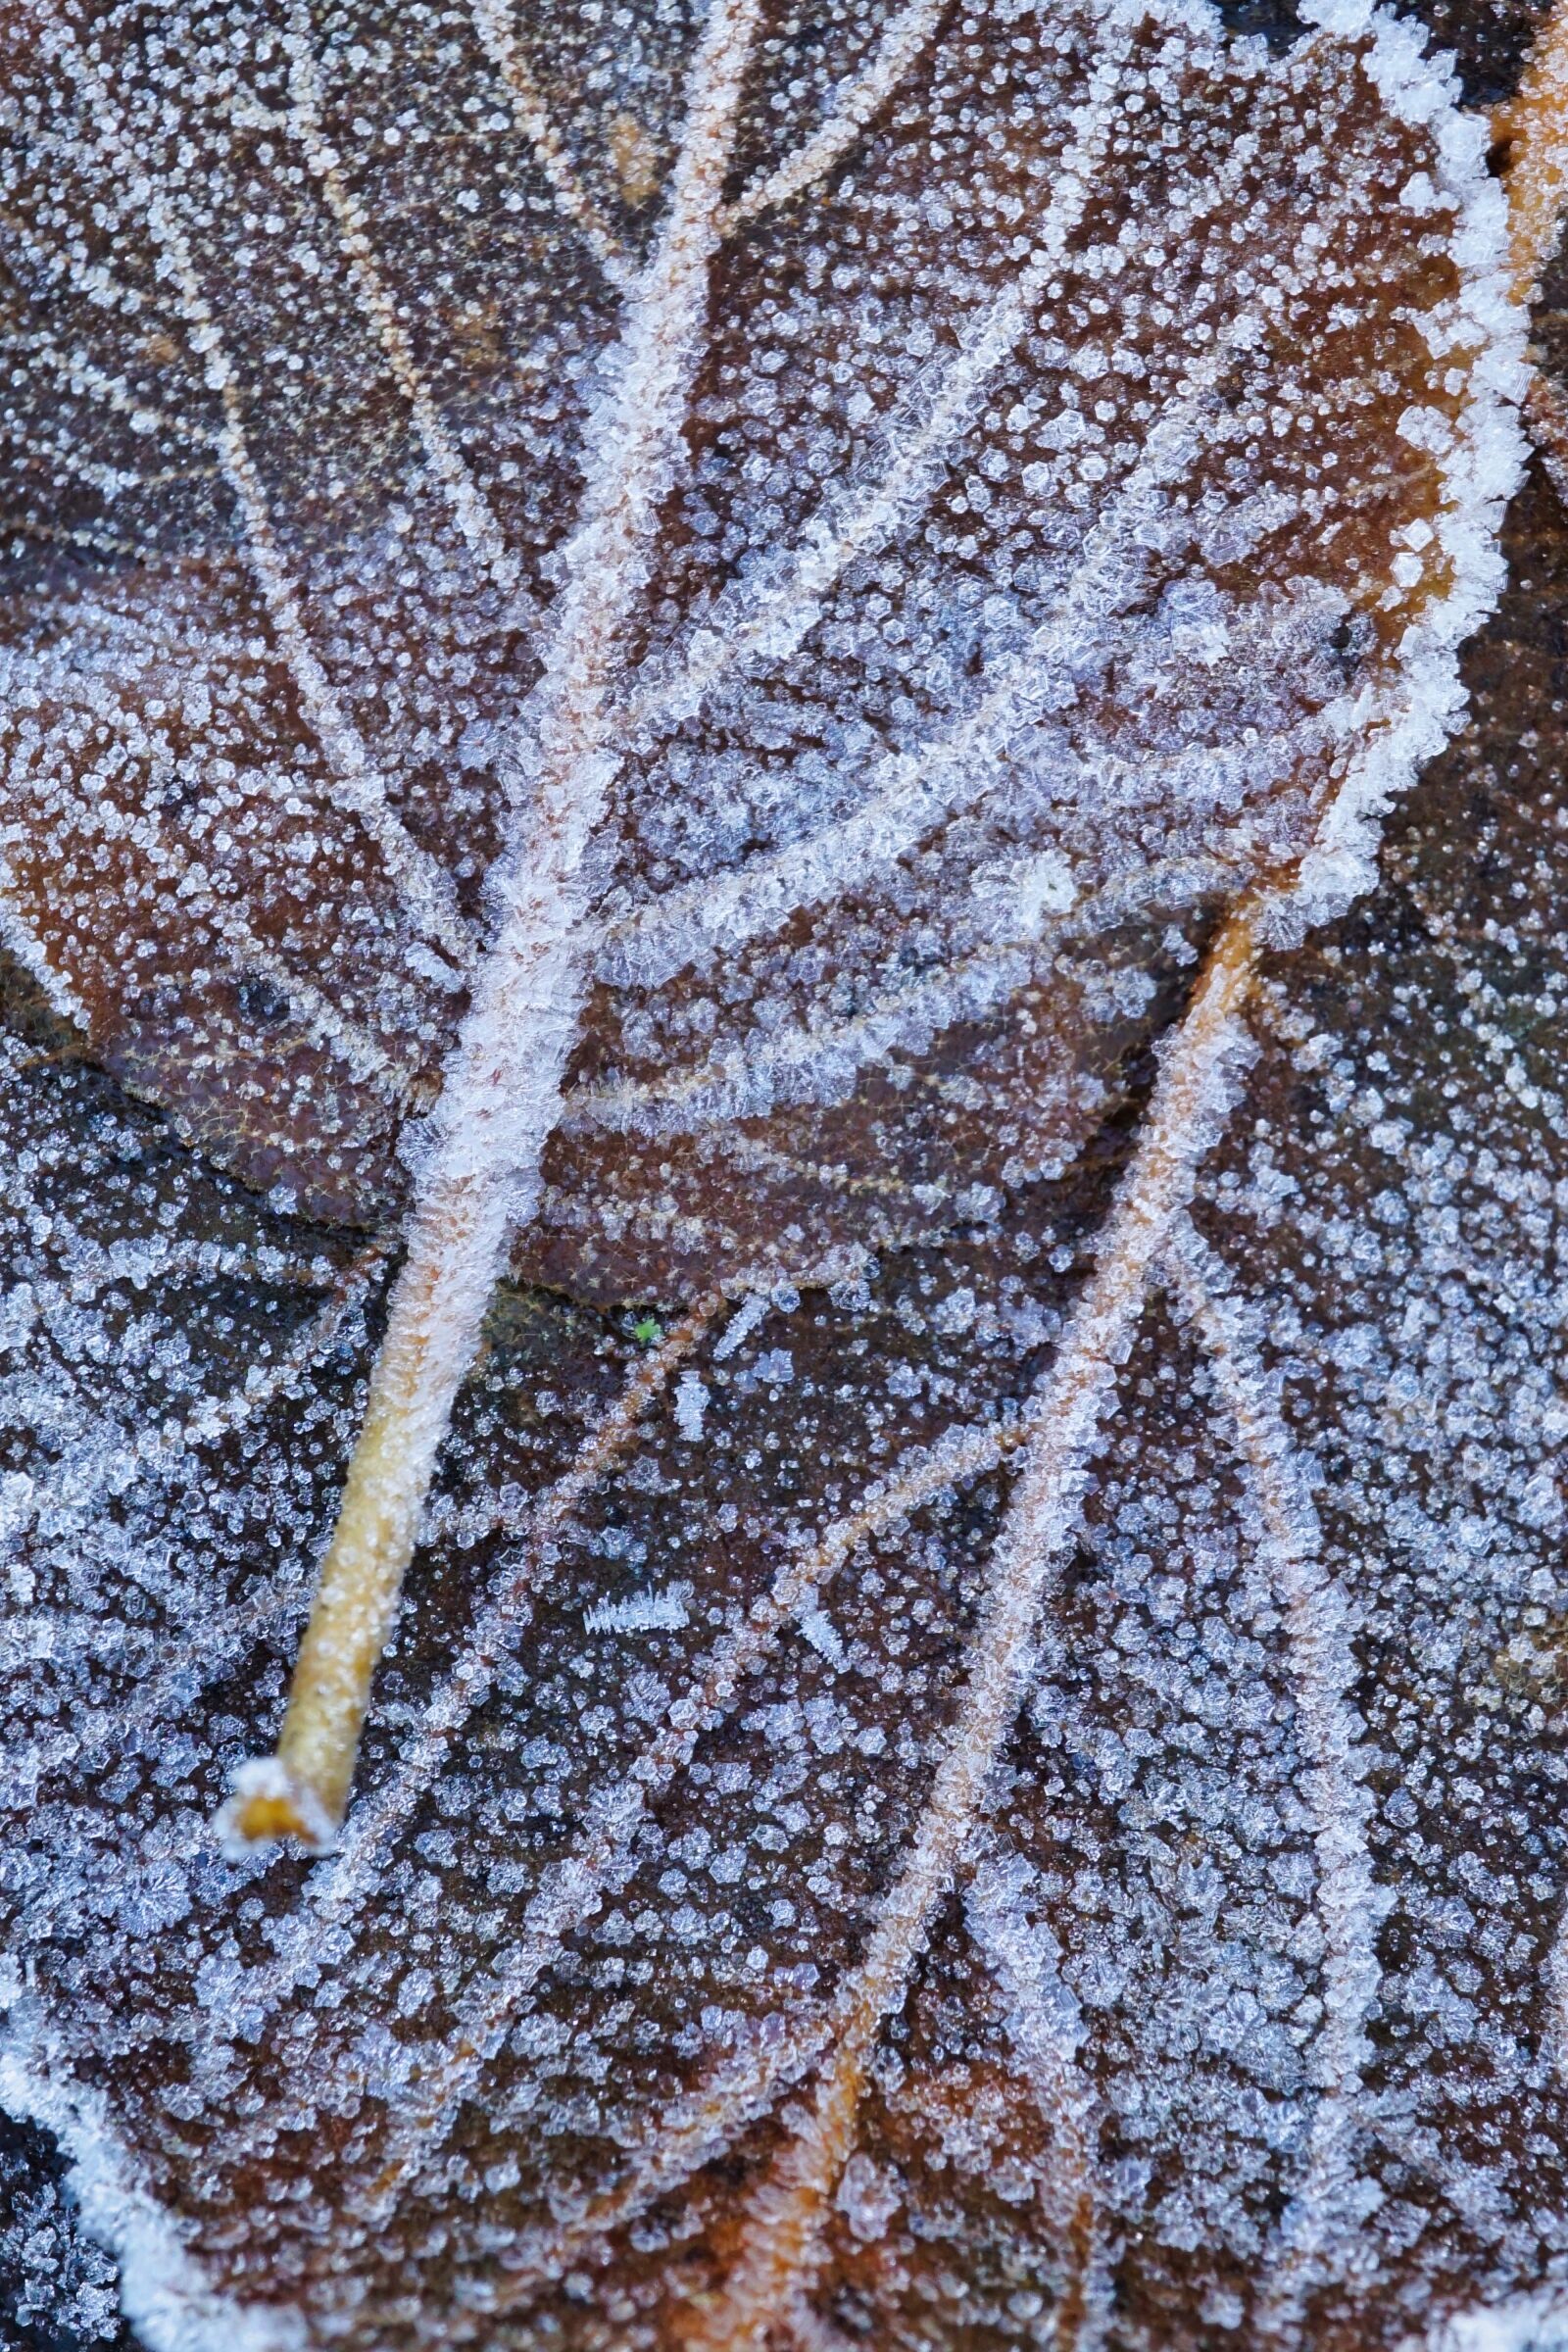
point(733, 673)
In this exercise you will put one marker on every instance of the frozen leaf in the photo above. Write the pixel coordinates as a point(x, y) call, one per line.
point(943, 595)
point(1012, 583)
point(998, 1783)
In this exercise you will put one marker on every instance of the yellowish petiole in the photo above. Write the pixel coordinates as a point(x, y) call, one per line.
point(438, 1304)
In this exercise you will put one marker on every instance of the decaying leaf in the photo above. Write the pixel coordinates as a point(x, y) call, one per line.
point(957, 594)
point(814, 621)
point(1011, 582)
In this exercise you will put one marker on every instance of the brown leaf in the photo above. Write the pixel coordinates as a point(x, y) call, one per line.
point(1009, 1799)
point(1012, 596)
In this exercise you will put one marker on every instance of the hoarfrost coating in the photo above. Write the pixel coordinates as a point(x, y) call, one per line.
point(1006, 1797)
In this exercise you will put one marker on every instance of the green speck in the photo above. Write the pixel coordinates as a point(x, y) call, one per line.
point(648, 1330)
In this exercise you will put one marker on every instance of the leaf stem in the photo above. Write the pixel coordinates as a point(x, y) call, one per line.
point(781, 2242)
point(502, 1099)
point(438, 1303)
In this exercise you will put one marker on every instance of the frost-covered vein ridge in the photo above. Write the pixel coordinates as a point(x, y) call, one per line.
point(995, 932)
point(1044, 2028)
point(903, 39)
point(819, 1059)
point(1190, 1100)
point(863, 95)
point(470, 505)
point(426, 889)
point(1480, 466)
point(80, 375)
point(496, 31)
point(94, 281)
point(1323, 1669)
point(561, 768)
point(111, 481)
point(813, 1061)
point(574, 1889)
point(187, 880)
point(696, 2129)
point(26, 522)
point(337, 1895)
point(480, 1172)
point(909, 792)
point(765, 617)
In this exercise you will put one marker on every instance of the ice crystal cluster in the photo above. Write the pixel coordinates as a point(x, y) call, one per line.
point(748, 660)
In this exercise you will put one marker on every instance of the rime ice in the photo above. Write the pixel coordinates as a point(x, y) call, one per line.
point(1032, 1757)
